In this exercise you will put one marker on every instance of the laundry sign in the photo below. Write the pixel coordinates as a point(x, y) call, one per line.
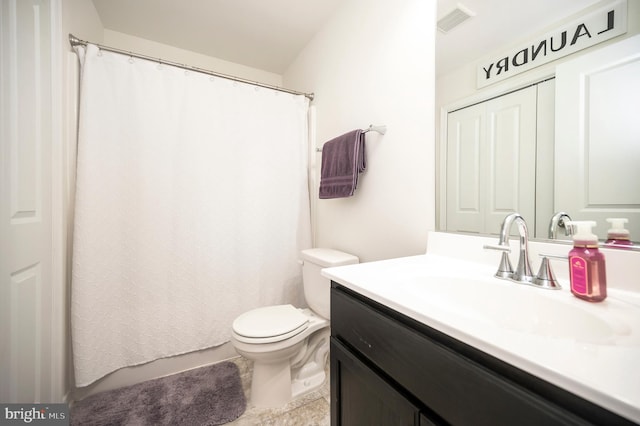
point(594, 27)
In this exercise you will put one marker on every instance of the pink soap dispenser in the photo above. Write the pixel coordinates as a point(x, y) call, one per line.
point(586, 264)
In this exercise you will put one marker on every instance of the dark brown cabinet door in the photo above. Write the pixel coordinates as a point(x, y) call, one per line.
point(360, 397)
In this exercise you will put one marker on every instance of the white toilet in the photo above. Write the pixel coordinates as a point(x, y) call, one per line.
point(288, 345)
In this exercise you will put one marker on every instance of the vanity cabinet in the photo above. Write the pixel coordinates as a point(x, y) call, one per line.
point(388, 369)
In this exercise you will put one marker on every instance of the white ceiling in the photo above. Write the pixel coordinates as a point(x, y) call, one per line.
point(263, 34)
point(268, 35)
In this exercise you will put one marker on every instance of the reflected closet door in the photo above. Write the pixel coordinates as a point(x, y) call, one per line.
point(491, 158)
point(598, 134)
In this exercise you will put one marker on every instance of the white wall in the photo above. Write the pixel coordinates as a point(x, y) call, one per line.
point(373, 63)
point(158, 50)
point(80, 18)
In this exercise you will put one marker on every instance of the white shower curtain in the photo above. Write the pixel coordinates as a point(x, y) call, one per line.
point(191, 208)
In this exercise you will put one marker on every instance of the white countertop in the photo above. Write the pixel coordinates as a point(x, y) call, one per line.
point(589, 349)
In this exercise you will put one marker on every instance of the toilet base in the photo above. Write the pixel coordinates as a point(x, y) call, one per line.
point(287, 369)
point(309, 373)
point(277, 381)
point(271, 384)
point(300, 387)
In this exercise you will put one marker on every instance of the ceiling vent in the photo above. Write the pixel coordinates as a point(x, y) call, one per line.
point(454, 18)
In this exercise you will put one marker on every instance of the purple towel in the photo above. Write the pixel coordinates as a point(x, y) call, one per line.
point(343, 158)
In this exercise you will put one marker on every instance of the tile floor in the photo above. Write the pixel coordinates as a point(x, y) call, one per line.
point(311, 409)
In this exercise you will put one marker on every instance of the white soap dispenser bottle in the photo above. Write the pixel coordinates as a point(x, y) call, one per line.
point(617, 235)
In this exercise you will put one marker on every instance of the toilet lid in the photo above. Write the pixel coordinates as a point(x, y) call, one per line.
point(270, 321)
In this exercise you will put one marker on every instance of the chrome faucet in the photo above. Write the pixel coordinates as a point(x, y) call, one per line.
point(523, 270)
point(522, 273)
point(559, 220)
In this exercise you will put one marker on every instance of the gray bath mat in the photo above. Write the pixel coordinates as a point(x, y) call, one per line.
point(209, 395)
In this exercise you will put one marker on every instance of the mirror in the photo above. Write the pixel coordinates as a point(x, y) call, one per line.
point(584, 179)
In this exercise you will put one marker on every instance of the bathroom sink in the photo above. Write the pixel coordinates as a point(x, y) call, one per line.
point(466, 297)
point(515, 307)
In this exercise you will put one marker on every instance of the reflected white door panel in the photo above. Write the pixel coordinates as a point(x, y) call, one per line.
point(491, 160)
point(597, 104)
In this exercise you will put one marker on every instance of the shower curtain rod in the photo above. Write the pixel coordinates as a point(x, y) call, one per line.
point(74, 41)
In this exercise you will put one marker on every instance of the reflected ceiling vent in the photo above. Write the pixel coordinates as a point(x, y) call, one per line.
point(454, 18)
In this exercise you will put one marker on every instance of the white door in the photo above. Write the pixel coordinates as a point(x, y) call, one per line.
point(466, 137)
point(598, 133)
point(491, 150)
point(28, 129)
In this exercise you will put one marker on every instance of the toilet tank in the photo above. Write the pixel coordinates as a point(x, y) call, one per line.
point(317, 289)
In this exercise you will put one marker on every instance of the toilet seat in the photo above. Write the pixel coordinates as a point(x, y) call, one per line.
point(270, 324)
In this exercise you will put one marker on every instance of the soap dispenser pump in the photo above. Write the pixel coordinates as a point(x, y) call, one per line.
point(617, 235)
point(586, 264)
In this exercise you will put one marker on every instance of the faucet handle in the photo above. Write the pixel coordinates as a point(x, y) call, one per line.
point(554, 256)
point(499, 247)
point(505, 270)
point(545, 277)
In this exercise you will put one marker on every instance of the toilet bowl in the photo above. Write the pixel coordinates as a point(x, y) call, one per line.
point(289, 345)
